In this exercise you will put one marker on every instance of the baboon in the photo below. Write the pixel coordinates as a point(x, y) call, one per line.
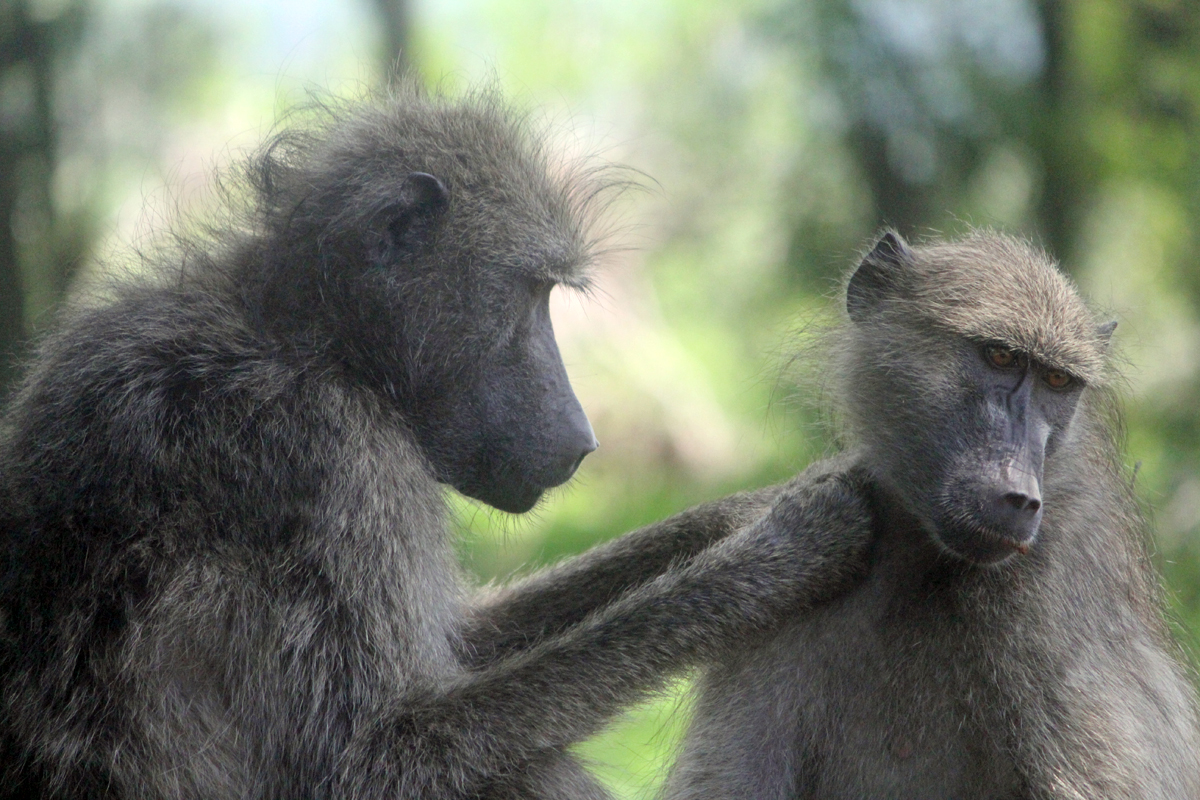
point(225, 570)
point(1008, 640)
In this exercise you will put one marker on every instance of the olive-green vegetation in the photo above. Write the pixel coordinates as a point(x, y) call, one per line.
point(777, 137)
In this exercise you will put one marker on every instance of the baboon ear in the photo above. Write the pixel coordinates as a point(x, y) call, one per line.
point(424, 192)
point(405, 222)
point(1105, 332)
point(878, 276)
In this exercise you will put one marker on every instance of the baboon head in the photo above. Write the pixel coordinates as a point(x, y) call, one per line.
point(965, 363)
point(417, 245)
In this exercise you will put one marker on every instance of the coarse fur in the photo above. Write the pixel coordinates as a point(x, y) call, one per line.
point(225, 569)
point(976, 661)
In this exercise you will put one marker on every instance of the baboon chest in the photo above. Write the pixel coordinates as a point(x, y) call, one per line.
point(876, 694)
point(880, 709)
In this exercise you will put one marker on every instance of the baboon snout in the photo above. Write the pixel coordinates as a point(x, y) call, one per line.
point(585, 440)
point(577, 439)
point(1022, 502)
point(1014, 507)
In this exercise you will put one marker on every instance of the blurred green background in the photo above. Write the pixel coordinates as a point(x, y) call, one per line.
point(777, 137)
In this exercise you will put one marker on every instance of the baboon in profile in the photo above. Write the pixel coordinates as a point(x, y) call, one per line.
point(224, 565)
point(1008, 641)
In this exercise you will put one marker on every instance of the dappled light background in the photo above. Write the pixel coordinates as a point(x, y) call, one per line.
point(775, 138)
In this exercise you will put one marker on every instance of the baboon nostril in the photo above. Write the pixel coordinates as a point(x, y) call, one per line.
point(1023, 502)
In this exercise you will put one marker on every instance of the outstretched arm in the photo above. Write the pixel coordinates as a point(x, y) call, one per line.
point(449, 740)
point(522, 614)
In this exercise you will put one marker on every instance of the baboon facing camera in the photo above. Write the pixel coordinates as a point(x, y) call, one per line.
point(1008, 641)
point(224, 565)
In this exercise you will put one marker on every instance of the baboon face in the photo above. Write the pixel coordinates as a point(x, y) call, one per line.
point(514, 428)
point(460, 334)
point(972, 464)
point(971, 418)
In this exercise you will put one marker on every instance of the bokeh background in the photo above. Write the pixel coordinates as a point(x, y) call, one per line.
point(776, 137)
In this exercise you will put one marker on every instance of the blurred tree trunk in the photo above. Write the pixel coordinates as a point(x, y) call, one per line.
point(12, 294)
point(396, 33)
point(24, 129)
point(30, 246)
point(1051, 141)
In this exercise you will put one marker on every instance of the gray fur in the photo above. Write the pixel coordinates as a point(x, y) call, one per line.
point(1042, 675)
point(225, 570)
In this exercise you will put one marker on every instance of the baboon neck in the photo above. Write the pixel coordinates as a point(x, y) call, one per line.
point(904, 543)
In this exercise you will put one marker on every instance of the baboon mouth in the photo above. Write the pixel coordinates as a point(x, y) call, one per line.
point(983, 545)
point(514, 501)
point(1018, 547)
point(560, 474)
point(566, 474)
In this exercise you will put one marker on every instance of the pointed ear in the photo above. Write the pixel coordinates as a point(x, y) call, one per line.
point(878, 276)
point(1105, 332)
point(424, 191)
point(406, 221)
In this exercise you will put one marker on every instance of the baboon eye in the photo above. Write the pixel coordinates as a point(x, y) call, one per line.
point(1001, 356)
point(1057, 379)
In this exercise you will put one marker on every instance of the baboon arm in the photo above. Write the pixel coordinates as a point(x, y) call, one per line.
point(811, 544)
point(520, 615)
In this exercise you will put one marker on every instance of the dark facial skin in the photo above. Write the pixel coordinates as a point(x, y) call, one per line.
point(498, 421)
point(980, 492)
point(530, 431)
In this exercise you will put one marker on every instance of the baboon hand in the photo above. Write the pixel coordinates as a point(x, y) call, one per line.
point(825, 523)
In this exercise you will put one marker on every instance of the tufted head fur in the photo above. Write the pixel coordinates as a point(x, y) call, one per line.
point(985, 287)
